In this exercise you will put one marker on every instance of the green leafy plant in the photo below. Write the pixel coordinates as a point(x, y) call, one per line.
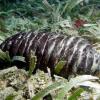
point(18, 58)
point(32, 63)
point(10, 97)
point(49, 15)
point(59, 66)
point(76, 94)
point(5, 56)
point(64, 87)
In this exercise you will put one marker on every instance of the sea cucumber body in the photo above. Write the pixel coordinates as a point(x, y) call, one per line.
point(80, 56)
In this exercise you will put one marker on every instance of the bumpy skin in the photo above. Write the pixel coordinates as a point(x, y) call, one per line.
point(78, 53)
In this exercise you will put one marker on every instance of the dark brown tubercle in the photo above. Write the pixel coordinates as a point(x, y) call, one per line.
point(80, 56)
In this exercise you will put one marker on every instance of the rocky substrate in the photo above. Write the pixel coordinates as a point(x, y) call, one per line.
point(15, 83)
